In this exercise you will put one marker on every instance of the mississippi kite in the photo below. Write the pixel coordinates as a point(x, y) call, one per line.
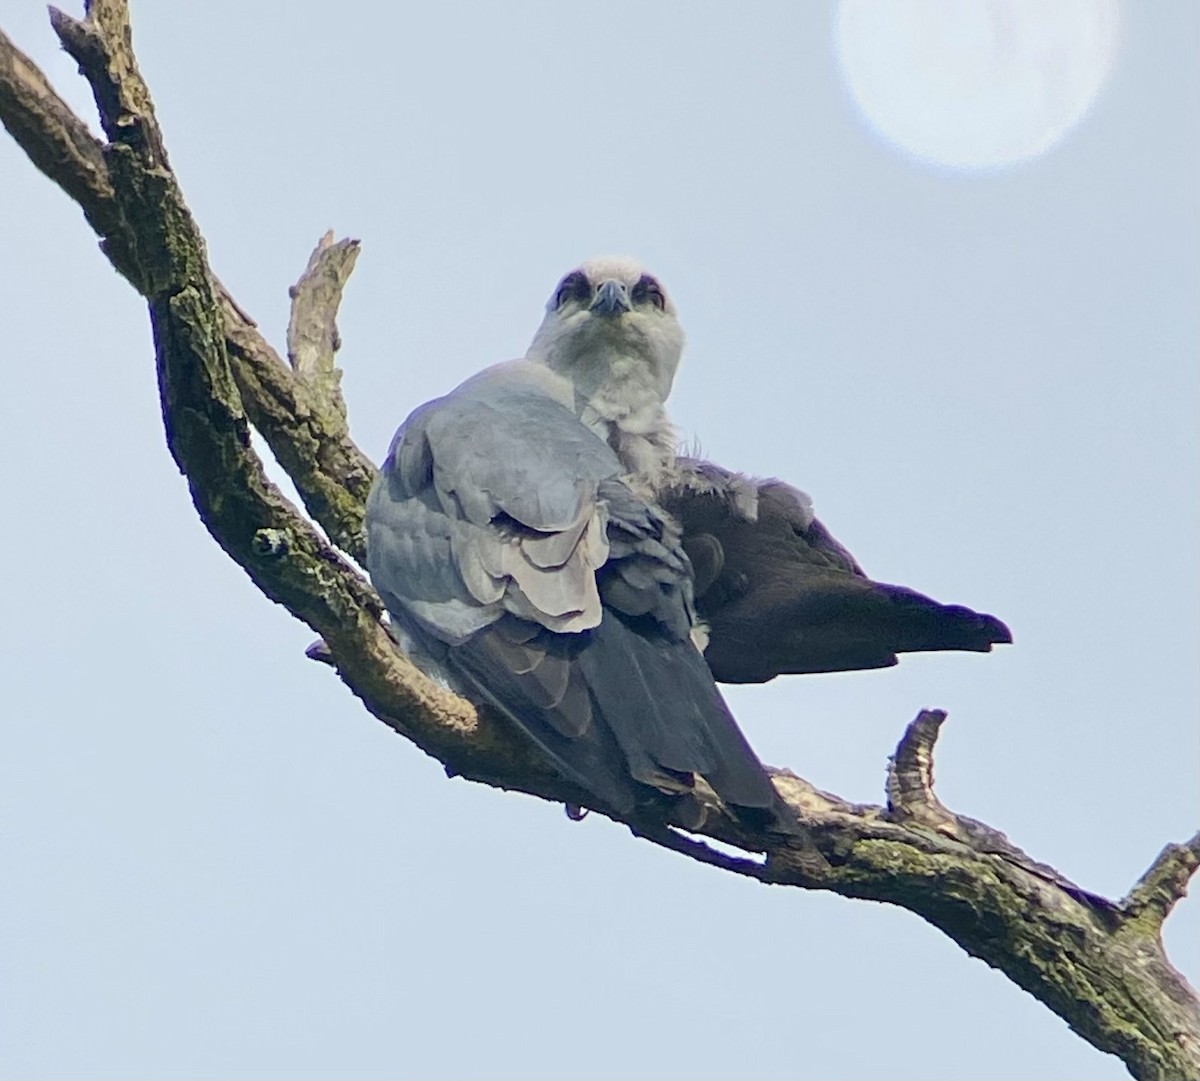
point(515, 540)
point(779, 595)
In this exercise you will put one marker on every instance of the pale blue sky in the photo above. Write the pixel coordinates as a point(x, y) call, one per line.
point(217, 865)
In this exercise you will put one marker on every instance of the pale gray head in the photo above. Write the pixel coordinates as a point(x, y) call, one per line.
point(610, 318)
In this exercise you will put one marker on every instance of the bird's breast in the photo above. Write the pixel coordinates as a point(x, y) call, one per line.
point(641, 436)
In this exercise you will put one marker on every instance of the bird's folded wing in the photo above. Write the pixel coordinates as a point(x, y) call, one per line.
point(512, 555)
point(488, 505)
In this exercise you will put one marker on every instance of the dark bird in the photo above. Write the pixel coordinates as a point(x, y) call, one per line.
point(779, 595)
point(514, 536)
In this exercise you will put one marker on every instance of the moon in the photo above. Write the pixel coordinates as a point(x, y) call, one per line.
point(976, 84)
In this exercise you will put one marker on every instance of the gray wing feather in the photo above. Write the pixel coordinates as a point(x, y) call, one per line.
point(465, 514)
point(522, 569)
point(483, 460)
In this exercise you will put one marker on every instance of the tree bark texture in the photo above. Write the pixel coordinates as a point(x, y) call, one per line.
point(1098, 964)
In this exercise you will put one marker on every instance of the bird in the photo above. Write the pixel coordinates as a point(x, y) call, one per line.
point(515, 539)
point(777, 594)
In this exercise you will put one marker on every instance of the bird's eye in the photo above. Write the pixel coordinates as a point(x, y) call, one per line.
point(647, 289)
point(575, 286)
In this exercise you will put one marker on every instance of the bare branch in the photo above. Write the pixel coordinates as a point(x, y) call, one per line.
point(44, 126)
point(305, 426)
point(312, 335)
point(310, 442)
point(61, 146)
point(1163, 885)
point(910, 773)
point(911, 799)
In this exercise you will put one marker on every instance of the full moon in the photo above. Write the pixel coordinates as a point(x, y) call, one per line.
point(975, 84)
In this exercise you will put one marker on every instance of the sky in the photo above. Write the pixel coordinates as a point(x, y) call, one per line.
point(217, 865)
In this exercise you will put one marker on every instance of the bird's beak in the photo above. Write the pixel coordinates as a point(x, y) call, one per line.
point(611, 299)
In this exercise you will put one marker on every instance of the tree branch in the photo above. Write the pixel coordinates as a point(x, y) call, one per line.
point(1099, 965)
point(1163, 885)
point(308, 438)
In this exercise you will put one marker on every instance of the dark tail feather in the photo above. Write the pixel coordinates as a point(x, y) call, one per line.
point(922, 624)
point(659, 699)
point(836, 623)
point(585, 752)
point(637, 712)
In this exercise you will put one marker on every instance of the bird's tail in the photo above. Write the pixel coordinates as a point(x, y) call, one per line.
point(921, 624)
point(624, 711)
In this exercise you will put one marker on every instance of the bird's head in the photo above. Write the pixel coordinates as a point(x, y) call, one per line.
point(605, 313)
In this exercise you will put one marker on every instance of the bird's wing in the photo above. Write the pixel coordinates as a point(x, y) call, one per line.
point(780, 595)
point(487, 505)
point(524, 570)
